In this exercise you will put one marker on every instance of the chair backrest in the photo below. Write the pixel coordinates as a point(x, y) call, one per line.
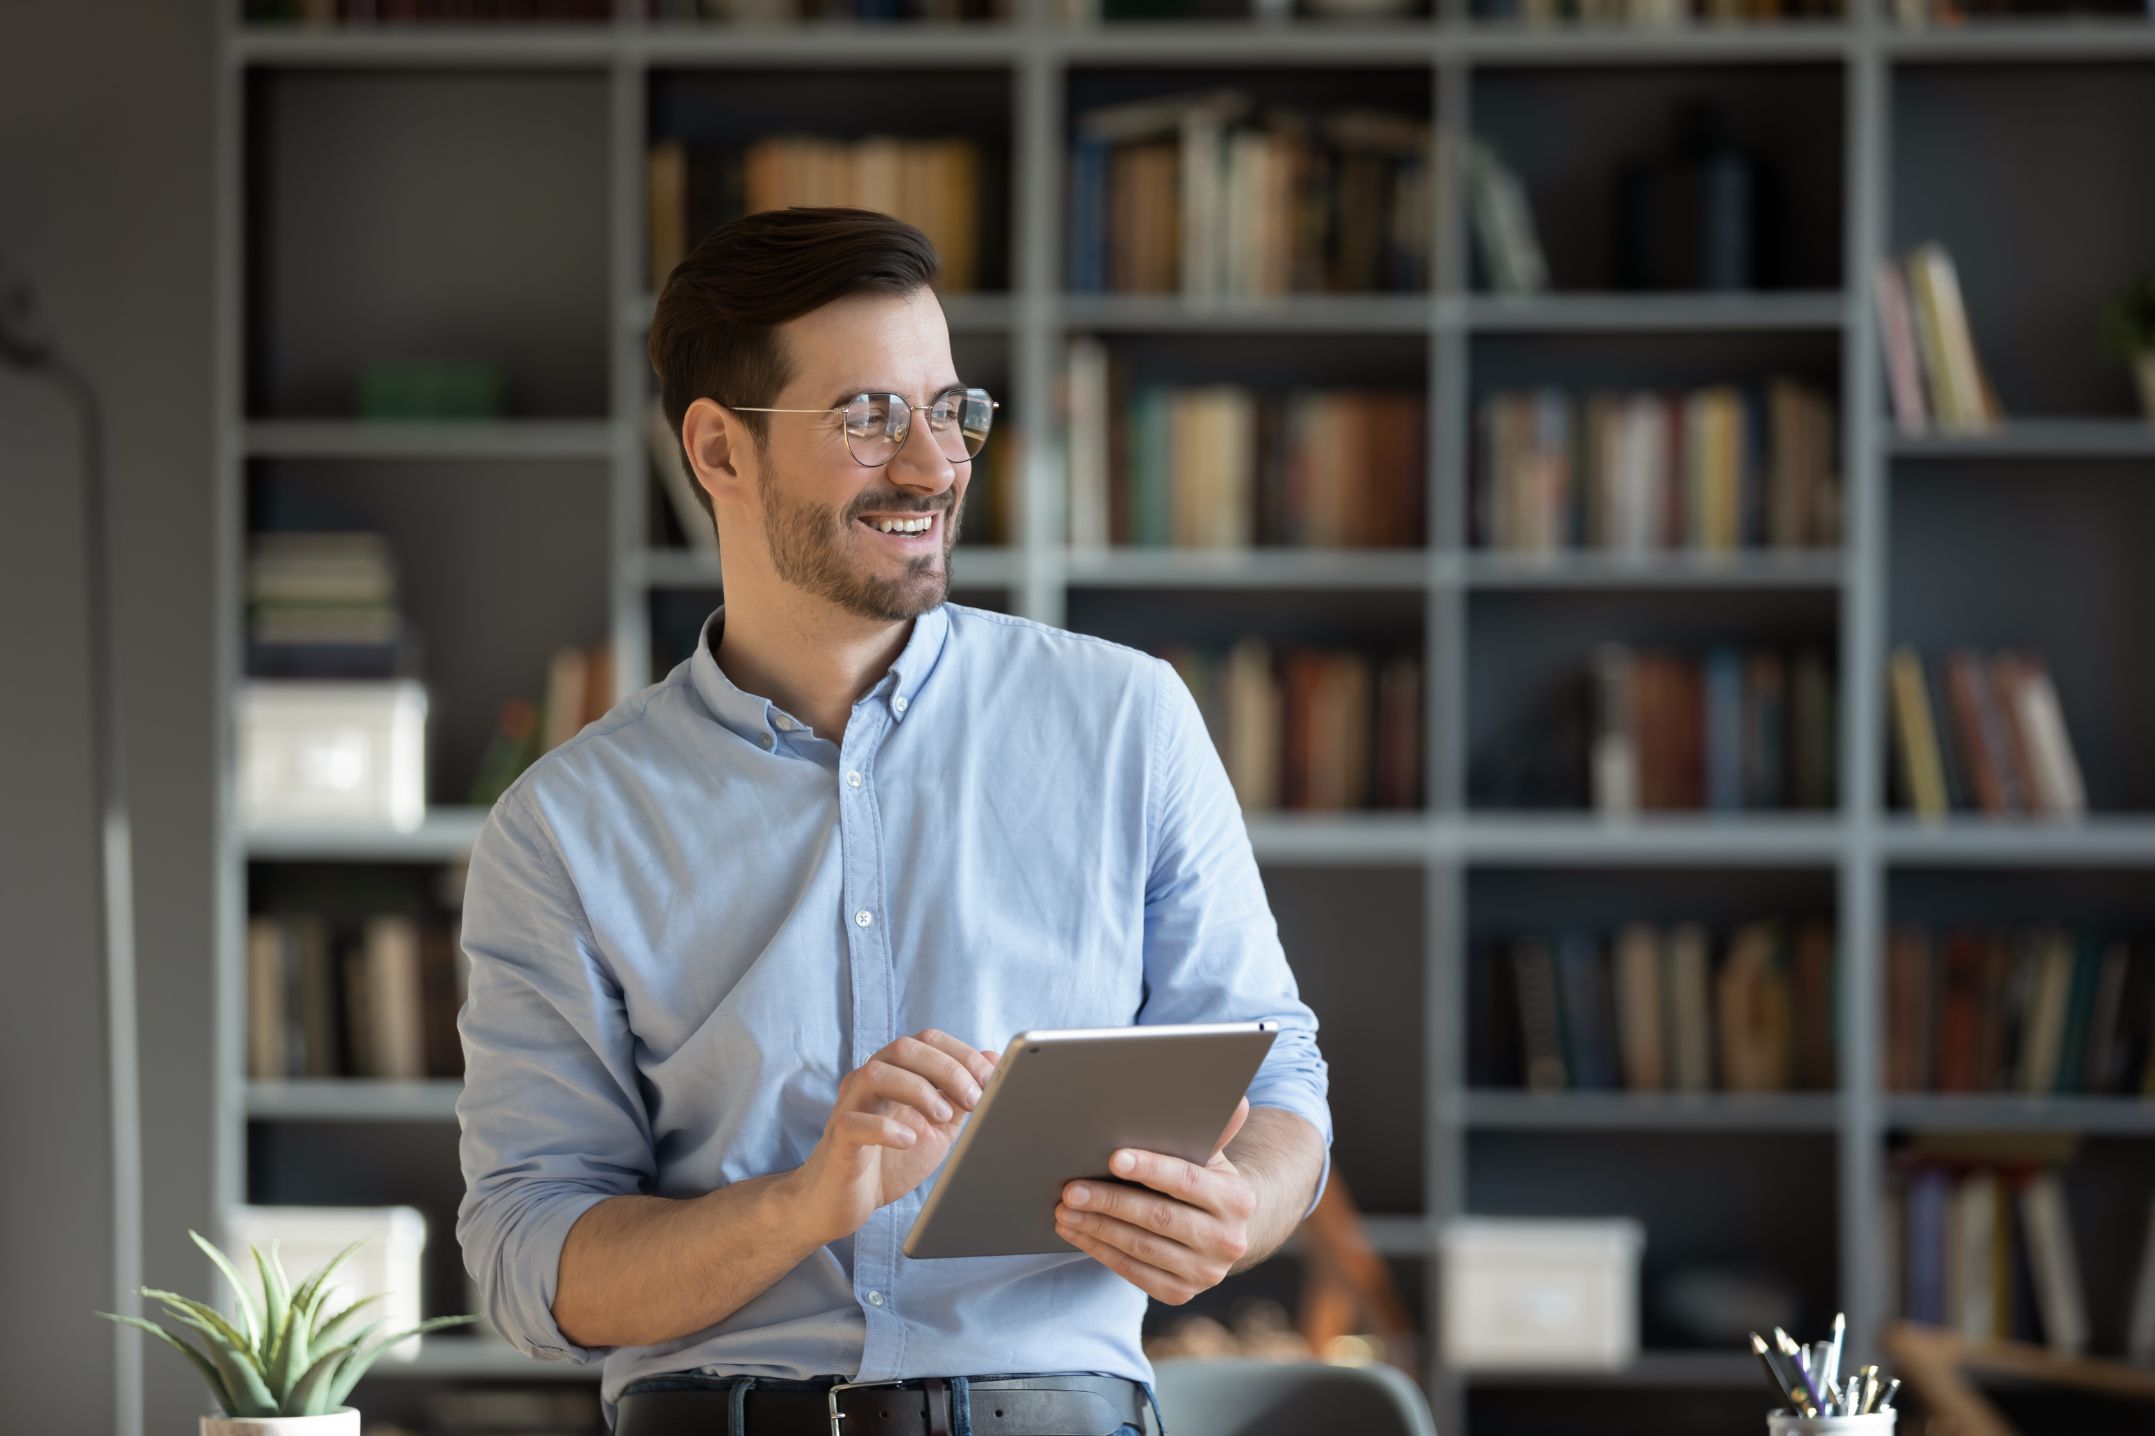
point(1252, 1397)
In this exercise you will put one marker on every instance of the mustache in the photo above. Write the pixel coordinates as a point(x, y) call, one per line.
point(900, 508)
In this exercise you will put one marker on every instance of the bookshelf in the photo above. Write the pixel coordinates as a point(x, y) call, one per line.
point(484, 185)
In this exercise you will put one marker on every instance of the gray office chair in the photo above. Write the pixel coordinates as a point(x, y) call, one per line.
point(1249, 1397)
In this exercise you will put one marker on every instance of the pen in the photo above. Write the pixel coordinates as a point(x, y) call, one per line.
point(1784, 1389)
point(1833, 1354)
point(1885, 1402)
point(1810, 1383)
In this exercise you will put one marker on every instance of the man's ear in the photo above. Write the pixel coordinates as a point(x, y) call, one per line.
point(716, 442)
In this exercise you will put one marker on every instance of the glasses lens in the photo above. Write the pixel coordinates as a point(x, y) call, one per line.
point(960, 422)
point(868, 432)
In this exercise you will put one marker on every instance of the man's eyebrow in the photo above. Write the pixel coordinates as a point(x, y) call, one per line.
point(845, 396)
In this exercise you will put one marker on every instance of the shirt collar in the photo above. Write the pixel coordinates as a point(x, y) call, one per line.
point(754, 717)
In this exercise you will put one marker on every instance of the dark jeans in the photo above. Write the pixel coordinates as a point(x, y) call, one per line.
point(960, 1400)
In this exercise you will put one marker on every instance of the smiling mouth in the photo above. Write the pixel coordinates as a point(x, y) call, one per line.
point(903, 538)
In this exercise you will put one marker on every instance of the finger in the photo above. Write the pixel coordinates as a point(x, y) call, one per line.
point(880, 1080)
point(1160, 1285)
point(1154, 1250)
point(1169, 1217)
point(1234, 1125)
point(944, 1061)
point(870, 1129)
point(1186, 1182)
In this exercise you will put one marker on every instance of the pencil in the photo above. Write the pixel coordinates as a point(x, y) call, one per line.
point(1783, 1388)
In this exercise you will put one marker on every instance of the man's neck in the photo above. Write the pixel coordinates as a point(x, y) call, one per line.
point(808, 658)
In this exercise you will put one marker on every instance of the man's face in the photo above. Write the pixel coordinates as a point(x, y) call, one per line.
point(819, 503)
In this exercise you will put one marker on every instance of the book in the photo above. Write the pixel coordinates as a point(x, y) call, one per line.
point(2058, 1290)
point(1923, 784)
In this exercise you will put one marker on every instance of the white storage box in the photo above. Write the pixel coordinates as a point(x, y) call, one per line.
point(308, 1238)
point(1530, 1293)
point(326, 753)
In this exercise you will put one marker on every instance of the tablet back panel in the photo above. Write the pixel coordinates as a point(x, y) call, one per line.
point(1060, 1103)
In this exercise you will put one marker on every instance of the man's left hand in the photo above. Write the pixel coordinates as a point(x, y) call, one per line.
point(1179, 1238)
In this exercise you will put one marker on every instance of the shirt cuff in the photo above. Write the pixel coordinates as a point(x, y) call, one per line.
point(527, 1270)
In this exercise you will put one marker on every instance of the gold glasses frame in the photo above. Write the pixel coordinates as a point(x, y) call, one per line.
point(905, 427)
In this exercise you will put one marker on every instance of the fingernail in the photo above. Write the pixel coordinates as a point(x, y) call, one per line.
point(972, 1095)
point(1124, 1161)
point(942, 1109)
point(1079, 1196)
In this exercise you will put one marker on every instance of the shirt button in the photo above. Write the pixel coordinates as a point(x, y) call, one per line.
point(863, 918)
point(898, 704)
point(853, 779)
point(785, 724)
point(875, 1298)
point(764, 739)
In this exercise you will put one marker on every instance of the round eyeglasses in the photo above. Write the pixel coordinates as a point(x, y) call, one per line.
point(876, 425)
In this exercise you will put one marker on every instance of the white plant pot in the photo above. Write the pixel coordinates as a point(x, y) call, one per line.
point(344, 1421)
point(2144, 366)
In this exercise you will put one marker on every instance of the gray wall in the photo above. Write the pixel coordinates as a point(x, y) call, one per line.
point(105, 199)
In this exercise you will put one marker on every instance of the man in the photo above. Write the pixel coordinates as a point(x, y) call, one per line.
point(744, 949)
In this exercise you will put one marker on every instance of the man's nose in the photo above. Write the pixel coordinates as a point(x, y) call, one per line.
point(920, 462)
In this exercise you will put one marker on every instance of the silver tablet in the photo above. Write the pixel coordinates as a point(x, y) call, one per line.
point(1060, 1104)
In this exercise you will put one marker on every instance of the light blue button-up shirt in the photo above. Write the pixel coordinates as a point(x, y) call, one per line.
point(687, 923)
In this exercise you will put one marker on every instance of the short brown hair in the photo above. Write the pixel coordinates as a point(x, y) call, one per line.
point(714, 331)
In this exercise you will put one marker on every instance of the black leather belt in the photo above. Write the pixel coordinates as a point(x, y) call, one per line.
point(1072, 1404)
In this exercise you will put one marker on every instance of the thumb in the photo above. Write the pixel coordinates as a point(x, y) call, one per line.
point(1234, 1125)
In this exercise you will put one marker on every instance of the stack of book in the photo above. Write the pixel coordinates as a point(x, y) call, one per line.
point(1221, 466)
point(1309, 728)
point(328, 999)
point(324, 605)
point(1716, 469)
point(1931, 364)
point(1199, 194)
point(1980, 1233)
point(1976, 734)
point(1734, 729)
point(2036, 1011)
point(1655, 1010)
point(933, 184)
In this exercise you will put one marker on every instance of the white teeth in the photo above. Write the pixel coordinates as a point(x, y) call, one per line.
point(904, 526)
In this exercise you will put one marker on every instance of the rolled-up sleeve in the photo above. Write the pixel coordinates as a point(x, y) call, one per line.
point(1212, 946)
point(551, 1117)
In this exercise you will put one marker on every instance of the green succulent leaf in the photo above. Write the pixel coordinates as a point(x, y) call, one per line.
point(309, 1395)
point(208, 1319)
point(218, 1389)
point(327, 1330)
point(312, 1291)
point(249, 1313)
point(276, 1297)
point(241, 1376)
point(355, 1365)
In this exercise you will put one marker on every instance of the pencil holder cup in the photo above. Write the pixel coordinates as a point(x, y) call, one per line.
point(1787, 1423)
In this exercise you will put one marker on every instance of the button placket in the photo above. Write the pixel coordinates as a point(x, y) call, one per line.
point(874, 1017)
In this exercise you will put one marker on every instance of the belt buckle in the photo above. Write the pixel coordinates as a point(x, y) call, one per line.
point(830, 1396)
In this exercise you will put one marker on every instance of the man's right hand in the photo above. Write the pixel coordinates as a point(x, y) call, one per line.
point(896, 1117)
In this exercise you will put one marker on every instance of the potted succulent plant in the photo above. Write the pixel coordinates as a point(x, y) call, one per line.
point(286, 1370)
point(2130, 321)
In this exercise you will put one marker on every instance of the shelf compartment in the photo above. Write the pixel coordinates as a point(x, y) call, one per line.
point(356, 176)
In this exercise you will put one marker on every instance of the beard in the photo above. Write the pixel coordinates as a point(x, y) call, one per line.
point(811, 549)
